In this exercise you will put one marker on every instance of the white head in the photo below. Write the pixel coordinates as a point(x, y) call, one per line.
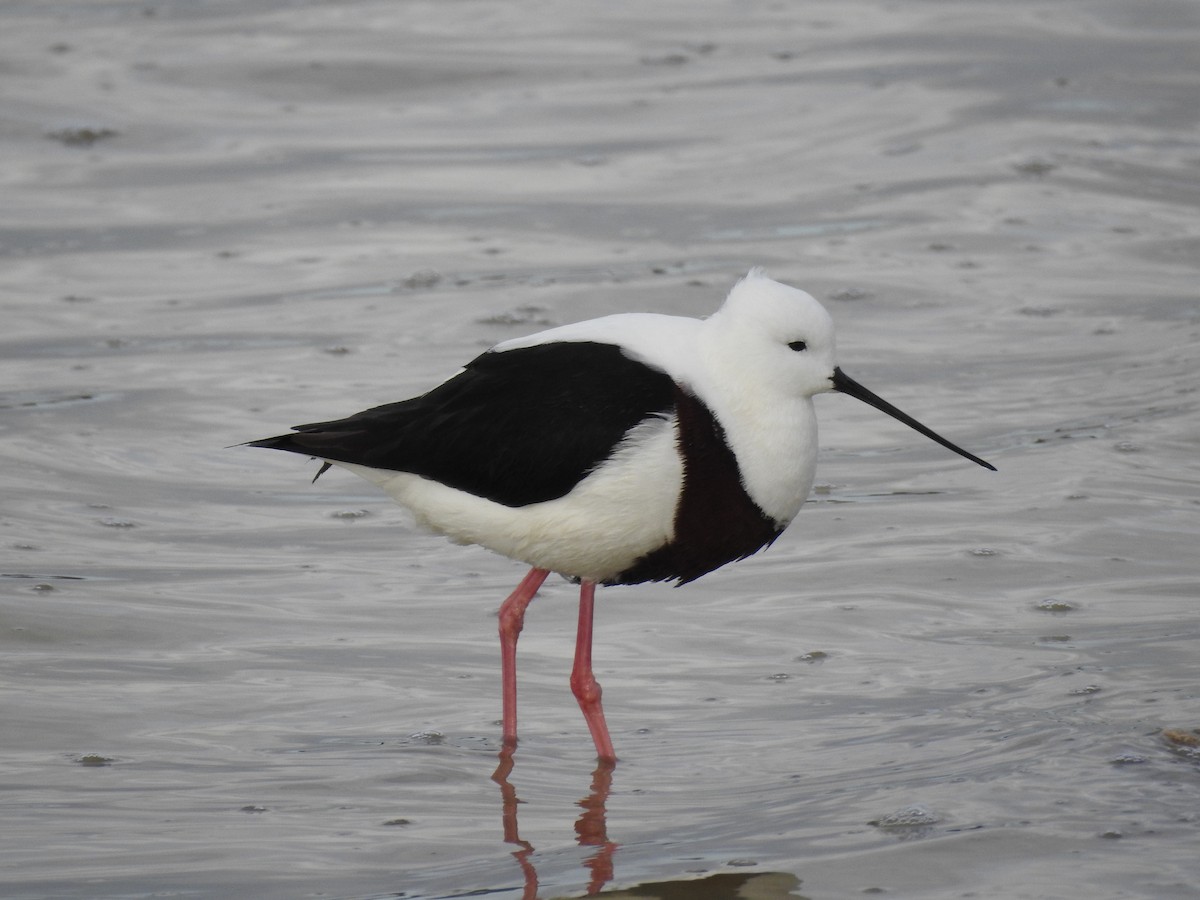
point(770, 348)
point(769, 339)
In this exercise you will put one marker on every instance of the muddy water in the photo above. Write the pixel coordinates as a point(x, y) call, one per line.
point(221, 219)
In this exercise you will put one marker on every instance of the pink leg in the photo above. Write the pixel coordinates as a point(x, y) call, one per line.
point(512, 619)
point(583, 682)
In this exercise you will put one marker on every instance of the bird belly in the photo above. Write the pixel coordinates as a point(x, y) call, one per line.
point(619, 512)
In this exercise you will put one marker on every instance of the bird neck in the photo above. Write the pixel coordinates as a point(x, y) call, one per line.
point(774, 440)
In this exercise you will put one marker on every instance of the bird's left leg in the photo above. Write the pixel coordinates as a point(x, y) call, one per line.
point(512, 620)
point(583, 683)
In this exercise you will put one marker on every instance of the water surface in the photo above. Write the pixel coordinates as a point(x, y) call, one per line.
point(222, 219)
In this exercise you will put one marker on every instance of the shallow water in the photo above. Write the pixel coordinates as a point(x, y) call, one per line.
point(222, 219)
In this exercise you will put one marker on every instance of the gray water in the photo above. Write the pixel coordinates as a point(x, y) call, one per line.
point(223, 218)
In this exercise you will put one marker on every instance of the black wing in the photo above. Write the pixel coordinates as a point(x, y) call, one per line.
point(516, 426)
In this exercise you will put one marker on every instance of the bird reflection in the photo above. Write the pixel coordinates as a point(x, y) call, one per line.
point(591, 828)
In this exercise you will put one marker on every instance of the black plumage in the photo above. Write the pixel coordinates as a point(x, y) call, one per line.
point(716, 521)
point(516, 426)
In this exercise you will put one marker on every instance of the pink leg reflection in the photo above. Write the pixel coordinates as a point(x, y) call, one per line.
point(508, 816)
point(591, 828)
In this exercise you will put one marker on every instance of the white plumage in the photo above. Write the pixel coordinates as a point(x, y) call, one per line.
point(629, 448)
point(737, 362)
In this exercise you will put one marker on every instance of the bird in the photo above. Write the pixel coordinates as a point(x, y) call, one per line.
point(630, 448)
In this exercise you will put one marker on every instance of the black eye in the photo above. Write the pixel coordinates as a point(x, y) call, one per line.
point(798, 345)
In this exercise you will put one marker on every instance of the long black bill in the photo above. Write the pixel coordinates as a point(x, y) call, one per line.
point(847, 385)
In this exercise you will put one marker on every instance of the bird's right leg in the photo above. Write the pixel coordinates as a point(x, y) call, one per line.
point(512, 618)
point(583, 682)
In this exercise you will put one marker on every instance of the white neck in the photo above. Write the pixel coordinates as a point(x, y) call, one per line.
point(773, 433)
